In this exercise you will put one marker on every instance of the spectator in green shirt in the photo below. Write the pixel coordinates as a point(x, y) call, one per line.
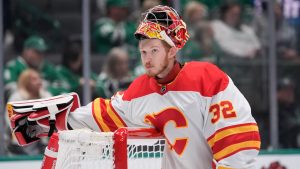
point(115, 29)
point(71, 70)
point(32, 56)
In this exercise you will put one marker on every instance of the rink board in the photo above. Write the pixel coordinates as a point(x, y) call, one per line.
point(289, 158)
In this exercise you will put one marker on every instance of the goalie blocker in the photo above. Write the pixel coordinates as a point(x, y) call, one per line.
point(32, 119)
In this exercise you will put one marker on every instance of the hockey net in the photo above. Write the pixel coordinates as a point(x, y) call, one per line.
point(124, 149)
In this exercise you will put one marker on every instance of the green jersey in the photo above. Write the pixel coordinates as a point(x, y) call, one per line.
point(52, 79)
point(71, 79)
point(108, 34)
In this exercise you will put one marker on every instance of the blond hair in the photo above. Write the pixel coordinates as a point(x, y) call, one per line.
point(24, 78)
point(194, 6)
point(147, 4)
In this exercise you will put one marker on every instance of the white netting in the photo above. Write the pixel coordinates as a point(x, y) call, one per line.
point(84, 149)
point(92, 150)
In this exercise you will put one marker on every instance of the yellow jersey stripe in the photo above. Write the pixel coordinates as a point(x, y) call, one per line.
point(112, 114)
point(98, 112)
point(230, 131)
point(224, 168)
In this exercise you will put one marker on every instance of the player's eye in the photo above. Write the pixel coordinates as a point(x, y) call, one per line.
point(143, 53)
point(154, 50)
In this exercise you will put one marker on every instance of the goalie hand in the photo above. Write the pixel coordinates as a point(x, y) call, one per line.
point(33, 119)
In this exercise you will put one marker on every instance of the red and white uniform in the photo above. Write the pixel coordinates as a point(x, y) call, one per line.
point(206, 120)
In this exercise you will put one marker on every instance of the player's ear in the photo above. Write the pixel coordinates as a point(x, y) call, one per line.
point(172, 52)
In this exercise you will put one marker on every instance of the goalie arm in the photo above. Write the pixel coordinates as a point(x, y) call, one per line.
point(231, 131)
point(102, 115)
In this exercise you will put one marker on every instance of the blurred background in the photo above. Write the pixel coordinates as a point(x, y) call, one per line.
point(50, 47)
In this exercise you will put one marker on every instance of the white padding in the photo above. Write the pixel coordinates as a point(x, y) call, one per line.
point(55, 101)
point(31, 105)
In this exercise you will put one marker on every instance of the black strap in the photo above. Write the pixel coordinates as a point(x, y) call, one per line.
point(52, 127)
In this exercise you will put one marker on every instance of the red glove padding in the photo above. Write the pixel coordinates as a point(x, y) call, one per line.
point(31, 119)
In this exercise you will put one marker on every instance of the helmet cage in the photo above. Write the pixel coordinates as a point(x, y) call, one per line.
point(164, 23)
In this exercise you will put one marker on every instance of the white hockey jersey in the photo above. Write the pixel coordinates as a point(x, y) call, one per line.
point(206, 120)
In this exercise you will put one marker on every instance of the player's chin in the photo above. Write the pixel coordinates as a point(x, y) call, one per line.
point(151, 73)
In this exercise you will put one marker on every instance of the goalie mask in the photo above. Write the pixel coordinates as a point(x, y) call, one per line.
point(164, 23)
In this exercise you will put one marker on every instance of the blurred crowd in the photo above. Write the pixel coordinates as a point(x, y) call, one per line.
point(44, 57)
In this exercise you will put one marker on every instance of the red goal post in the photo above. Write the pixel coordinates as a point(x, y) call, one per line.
point(126, 148)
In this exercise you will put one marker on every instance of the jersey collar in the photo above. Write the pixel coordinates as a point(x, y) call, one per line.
point(171, 75)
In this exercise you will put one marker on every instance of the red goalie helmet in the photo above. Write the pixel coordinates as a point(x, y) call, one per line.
point(164, 23)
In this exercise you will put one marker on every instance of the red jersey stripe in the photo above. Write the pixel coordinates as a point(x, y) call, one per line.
point(105, 116)
point(234, 129)
point(234, 139)
point(118, 119)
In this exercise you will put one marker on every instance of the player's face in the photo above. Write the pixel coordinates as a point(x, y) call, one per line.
point(154, 55)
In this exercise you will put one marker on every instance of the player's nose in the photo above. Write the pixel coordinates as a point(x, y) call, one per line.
point(147, 58)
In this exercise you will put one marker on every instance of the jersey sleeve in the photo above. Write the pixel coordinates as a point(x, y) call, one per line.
point(105, 115)
point(110, 114)
point(230, 130)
